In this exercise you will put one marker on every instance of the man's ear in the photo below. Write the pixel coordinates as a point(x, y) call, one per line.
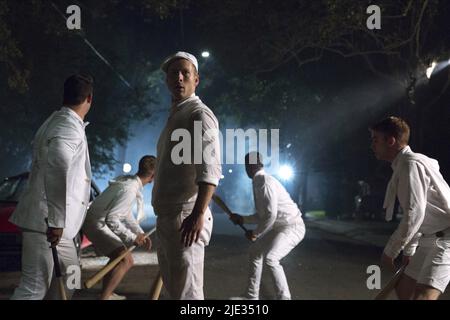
point(89, 98)
point(391, 141)
point(197, 80)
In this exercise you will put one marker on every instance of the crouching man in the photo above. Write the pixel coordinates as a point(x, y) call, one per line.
point(280, 228)
point(110, 224)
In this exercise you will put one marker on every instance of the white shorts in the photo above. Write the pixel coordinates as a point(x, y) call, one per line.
point(430, 265)
point(103, 239)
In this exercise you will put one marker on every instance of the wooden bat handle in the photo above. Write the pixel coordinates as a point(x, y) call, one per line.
point(99, 275)
point(155, 291)
point(225, 208)
point(384, 293)
point(57, 266)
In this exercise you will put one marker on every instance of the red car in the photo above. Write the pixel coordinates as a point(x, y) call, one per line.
point(10, 238)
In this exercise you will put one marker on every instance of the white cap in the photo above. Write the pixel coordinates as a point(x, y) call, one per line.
point(179, 55)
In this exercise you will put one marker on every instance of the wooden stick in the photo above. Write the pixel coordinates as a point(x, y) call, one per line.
point(57, 267)
point(384, 293)
point(155, 290)
point(225, 208)
point(104, 271)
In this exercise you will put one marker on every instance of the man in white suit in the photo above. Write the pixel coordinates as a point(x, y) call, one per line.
point(110, 224)
point(58, 189)
point(423, 235)
point(279, 230)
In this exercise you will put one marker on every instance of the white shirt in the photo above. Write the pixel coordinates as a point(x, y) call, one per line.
point(60, 179)
point(274, 206)
point(113, 207)
point(176, 185)
point(424, 197)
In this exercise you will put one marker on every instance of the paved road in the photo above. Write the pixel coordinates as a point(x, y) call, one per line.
point(323, 266)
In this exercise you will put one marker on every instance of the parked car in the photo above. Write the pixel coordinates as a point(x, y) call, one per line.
point(11, 189)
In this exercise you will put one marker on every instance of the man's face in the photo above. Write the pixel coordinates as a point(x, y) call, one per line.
point(381, 145)
point(182, 79)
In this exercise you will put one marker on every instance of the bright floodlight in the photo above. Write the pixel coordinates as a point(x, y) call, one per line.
point(222, 177)
point(430, 70)
point(230, 171)
point(126, 167)
point(205, 54)
point(285, 172)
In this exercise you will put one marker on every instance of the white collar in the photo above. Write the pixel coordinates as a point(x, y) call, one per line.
point(259, 172)
point(139, 182)
point(76, 115)
point(406, 149)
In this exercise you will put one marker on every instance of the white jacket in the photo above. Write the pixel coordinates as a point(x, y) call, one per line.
point(60, 178)
point(176, 185)
point(113, 208)
point(274, 206)
point(424, 197)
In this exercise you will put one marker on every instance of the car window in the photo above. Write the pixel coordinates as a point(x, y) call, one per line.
point(8, 189)
point(19, 189)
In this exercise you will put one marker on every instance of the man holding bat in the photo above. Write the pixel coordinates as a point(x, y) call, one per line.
point(58, 189)
point(424, 231)
point(280, 228)
point(110, 224)
point(185, 181)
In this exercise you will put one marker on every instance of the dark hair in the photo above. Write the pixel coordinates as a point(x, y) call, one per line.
point(146, 165)
point(77, 88)
point(254, 158)
point(393, 127)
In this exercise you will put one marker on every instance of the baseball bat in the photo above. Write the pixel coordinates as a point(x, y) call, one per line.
point(224, 207)
point(384, 293)
point(155, 291)
point(107, 268)
point(57, 266)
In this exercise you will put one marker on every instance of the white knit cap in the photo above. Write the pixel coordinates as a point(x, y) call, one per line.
point(179, 55)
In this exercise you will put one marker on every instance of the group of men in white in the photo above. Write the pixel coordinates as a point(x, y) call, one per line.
point(56, 204)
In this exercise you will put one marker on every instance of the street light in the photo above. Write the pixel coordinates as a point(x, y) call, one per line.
point(285, 172)
point(430, 69)
point(205, 54)
point(126, 168)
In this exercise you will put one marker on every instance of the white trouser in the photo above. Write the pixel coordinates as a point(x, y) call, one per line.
point(270, 249)
point(37, 280)
point(182, 267)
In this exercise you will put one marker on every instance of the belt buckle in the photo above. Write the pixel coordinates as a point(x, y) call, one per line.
point(440, 234)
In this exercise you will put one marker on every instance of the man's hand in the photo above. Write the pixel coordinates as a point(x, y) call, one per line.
point(388, 262)
point(405, 260)
point(250, 235)
point(54, 235)
point(237, 218)
point(190, 228)
point(143, 241)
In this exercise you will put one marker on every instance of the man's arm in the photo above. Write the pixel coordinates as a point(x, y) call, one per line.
point(266, 202)
point(193, 224)
point(62, 146)
point(412, 191)
point(208, 174)
point(119, 210)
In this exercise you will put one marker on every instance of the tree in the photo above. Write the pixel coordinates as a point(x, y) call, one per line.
point(37, 52)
